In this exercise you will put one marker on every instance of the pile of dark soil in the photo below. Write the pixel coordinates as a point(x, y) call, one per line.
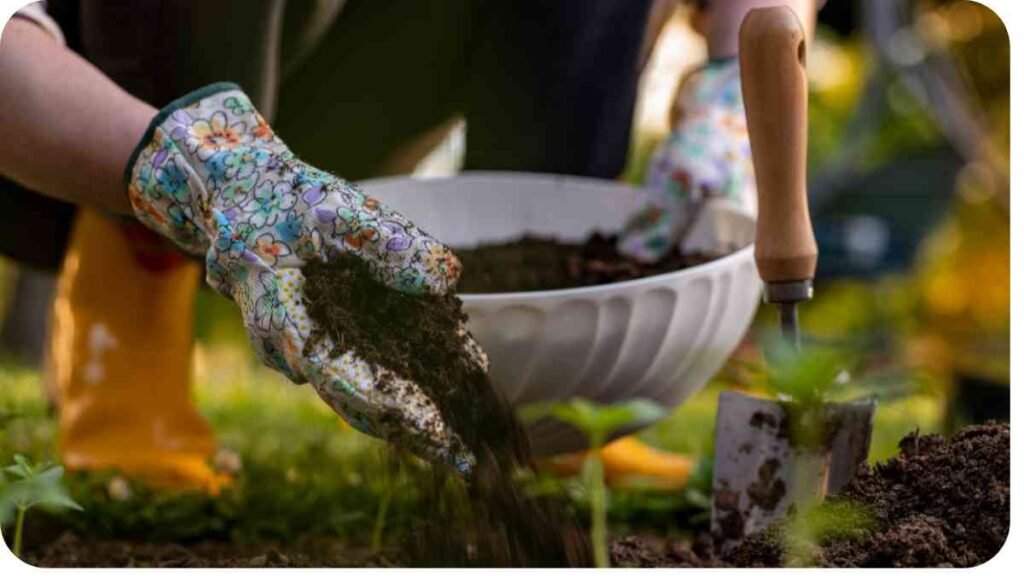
point(937, 503)
point(484, 519)
point(535, 263)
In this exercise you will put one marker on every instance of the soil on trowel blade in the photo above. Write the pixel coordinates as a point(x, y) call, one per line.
point(484, 519)
point(938, 502)
point(535, 263)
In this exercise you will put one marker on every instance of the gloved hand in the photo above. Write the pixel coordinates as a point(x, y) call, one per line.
point(706, 158)
point(211, 175)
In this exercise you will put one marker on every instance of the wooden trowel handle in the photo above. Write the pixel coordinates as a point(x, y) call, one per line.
point(772, 54)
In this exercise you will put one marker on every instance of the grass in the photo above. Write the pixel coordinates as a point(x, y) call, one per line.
point(306, 475)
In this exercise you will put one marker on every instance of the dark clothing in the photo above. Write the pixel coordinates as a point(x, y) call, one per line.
point(544, 85)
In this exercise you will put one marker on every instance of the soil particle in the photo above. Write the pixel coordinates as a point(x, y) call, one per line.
point(937, 503)
point(536, 263)
point(484, 519)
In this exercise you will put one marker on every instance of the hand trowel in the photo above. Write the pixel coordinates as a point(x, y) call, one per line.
point(760, 471)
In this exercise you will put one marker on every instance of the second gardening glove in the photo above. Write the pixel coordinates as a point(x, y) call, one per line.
point(212, 176)
point(703, 170)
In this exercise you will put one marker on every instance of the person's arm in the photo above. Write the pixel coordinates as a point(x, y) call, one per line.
point(66, 130)
point(209, 173)
point(725, 18)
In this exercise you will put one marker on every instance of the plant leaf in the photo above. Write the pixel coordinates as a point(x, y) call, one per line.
point(596, 421)
point(804, 376)
point(37, 485)
point(16, 471)
point(59, 500)
point(50, 475)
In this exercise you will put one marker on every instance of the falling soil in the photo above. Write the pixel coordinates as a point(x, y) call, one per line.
point(937, 503)
point(535, 263)
point(484, 519)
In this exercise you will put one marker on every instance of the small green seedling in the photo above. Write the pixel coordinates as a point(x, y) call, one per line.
point(597, 423)
point(24, 485)
point(803, 381)
point(807, 377)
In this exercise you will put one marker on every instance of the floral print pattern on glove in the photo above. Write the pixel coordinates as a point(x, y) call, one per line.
point(707, 155)
point(212, 176)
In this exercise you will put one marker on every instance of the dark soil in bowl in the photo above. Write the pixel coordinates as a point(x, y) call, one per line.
point(938, 502)
point(534, 263)
point(484, 519)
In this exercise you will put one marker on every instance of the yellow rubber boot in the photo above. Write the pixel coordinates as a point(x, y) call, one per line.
point(629, 461)
point(120, 358)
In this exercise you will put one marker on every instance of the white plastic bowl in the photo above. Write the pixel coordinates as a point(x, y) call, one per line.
point(659, 338)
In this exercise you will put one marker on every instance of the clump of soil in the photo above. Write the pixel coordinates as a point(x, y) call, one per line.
point(938, 502)
point(416, 337)
point(537, 263)
point(483, 520)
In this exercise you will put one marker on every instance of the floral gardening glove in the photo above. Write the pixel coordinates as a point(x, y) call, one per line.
point(212, 176)
point(706, 157)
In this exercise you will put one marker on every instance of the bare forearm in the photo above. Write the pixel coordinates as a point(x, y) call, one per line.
point(66, 130)
point(726, 17)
